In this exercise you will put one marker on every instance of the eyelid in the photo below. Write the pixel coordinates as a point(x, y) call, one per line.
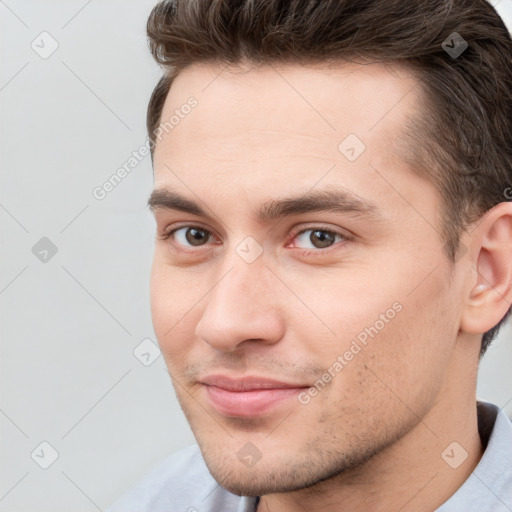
point(167, 232)
point(318, 227)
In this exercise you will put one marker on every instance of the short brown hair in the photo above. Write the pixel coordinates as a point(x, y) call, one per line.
point(460, 139)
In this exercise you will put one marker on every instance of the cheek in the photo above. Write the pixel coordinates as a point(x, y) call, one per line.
point(387, 339)
point(405, 363)
point(391, 380)
point(174, 309)
point(342, 309)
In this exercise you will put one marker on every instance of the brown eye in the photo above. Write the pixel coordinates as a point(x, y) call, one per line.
point(190, 236)
point(320, 238)
point(196, 236)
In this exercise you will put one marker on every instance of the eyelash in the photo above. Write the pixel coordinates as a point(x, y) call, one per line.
point(298, 231)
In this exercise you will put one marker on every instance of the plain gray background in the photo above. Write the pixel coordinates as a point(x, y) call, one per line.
point(70, 321)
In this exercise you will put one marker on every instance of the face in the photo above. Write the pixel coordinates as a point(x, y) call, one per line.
point(299, 286)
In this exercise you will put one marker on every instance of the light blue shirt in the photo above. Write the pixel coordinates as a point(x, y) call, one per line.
point(182, 482)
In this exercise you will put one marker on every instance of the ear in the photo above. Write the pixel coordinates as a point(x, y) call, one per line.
point(490, 294)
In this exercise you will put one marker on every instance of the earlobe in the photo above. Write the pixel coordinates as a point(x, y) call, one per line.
point(490, 296)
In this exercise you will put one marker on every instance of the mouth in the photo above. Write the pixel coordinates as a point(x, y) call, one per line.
point(248, 397)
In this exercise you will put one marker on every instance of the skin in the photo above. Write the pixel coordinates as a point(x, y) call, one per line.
point(372, 439)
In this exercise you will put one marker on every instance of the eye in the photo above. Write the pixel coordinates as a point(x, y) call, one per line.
point(190, 236)
point(317, 238)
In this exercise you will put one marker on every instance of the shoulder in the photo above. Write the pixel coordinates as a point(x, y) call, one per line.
point(180, 482)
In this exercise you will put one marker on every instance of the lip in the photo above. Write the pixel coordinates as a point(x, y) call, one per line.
point(248, 396)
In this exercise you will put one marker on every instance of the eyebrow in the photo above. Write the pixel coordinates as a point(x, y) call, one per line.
point(329, 200)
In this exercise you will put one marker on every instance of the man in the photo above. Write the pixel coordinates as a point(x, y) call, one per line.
point(333, 253)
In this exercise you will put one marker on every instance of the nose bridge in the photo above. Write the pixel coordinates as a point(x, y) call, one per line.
point(245, 273)
point(241, 306)
point(240, 291)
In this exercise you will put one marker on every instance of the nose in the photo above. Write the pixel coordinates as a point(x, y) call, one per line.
point(242, 306)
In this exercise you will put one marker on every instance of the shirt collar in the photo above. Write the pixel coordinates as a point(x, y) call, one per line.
point(489, 487)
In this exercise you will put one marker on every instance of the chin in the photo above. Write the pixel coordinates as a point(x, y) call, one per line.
point(258, 483)
point(268, 477)
point(290, 470)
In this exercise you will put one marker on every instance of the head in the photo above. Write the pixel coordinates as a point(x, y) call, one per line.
point(332, 213)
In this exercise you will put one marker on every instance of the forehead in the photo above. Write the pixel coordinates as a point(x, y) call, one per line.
point(286, 124)
point(285, 105)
